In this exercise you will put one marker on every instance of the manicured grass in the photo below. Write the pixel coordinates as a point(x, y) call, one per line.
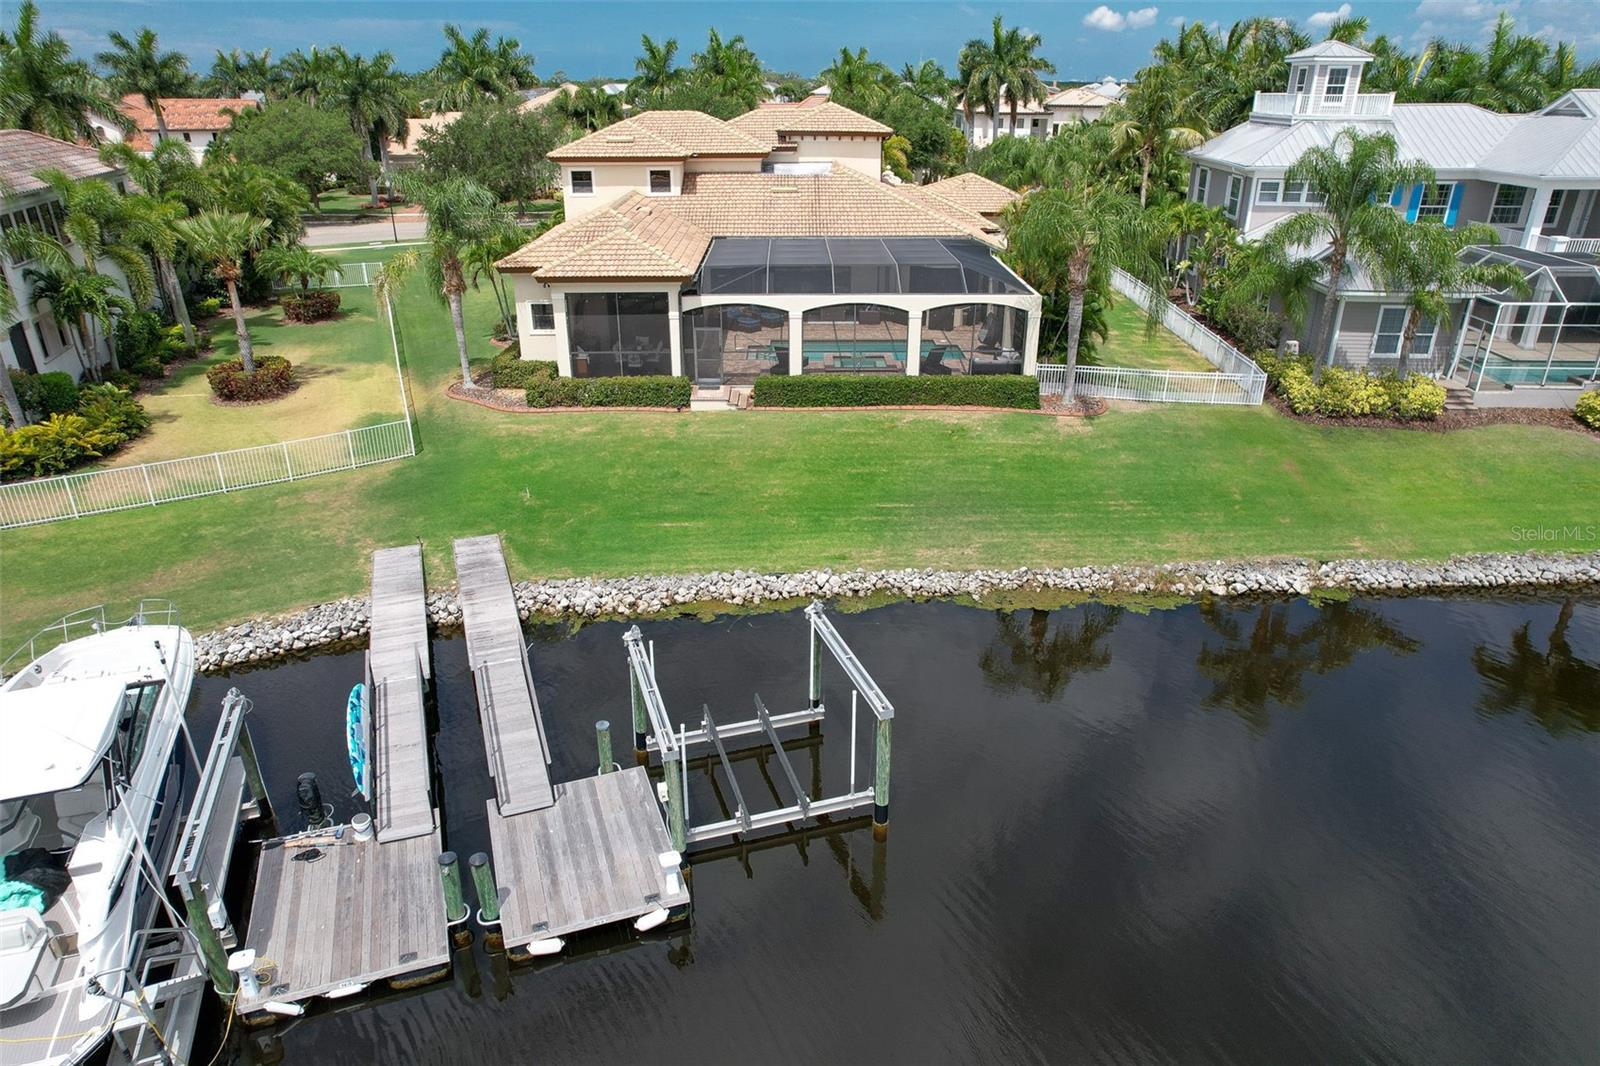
point(616, 493)
point(340, 202)
point(347, 379)
point(1129, 344)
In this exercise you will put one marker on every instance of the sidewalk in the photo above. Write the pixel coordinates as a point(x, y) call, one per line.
point(375, 232)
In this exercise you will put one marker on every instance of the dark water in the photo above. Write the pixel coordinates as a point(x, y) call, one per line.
point(1271, 834)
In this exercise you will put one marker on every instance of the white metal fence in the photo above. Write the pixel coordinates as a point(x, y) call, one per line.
point(348, 276)
point(1238, 380)
point(119, 488)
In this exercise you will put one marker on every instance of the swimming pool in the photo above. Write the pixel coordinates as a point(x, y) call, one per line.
point(1534, 373)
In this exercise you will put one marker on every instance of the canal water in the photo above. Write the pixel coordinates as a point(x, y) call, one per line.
point(1266, 833)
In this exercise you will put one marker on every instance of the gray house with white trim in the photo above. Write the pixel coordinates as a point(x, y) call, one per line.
point(1534, 177)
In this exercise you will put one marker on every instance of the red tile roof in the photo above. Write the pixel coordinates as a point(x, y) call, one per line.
point(183, 113)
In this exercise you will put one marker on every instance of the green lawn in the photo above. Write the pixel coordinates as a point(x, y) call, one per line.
point(346, 370)
point(623, 493)
point(340, 202)
point(1129, 344)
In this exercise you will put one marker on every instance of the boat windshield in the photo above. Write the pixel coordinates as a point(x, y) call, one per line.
point(54, 820)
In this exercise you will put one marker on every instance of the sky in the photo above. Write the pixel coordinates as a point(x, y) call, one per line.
point(599, 38)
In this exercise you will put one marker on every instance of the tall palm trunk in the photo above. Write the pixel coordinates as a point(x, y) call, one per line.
point(366, 153)
point(1077, 286)
point(174, 291)
point(454, 296)
point(8, 391)
point(1408, 337)
point(247, 354)
point(1330, 314)
point(1144, 176)
point(86, 351)
point(161, 121)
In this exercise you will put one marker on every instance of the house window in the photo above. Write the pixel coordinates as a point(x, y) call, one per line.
point(186, 138)
point(1300, 77)
point(1391, 324)
point(1556, 198)
point(1202, 184)
point(1267, 191)
point(1508, 201)
point(1235, 192)
point(661, 181)
point(582, 181)
point(1422, 343)
point(1297, 192)
point(1338, 79)
point(1435, 200)
point(1000, 124)
point(543, 316)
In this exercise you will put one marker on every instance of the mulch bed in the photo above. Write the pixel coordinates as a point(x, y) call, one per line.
point(1449, 421)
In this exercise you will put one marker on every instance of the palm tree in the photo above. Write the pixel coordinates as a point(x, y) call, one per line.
point(1148, 124)
point(1209, 235)
point(853, 78)
point(1044, 661)
point(1063, 240)
point(470, 69)
point(167, 178)
point(461, 214)
point(222, 239)
point(1356, 177)
point(481, 259)
point(8, 312)
point(926, 81)
point(591, 107)
point(1005, 66)
point(371, 93)
point(307, 75)
point(78, 295)
point(1424, 261)
point(1506, 76)
point(235, 73)
point(43, 89)
point(140, 68)
point(656, 76)
point(297, 261)
point(729, 69)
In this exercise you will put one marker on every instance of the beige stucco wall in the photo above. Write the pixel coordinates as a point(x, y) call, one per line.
point(536, 344)
point(612, 181)
point(859, 153)
point(722, 166)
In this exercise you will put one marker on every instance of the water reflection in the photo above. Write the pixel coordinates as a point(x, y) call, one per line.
point(1558, 689)
point(1042, 657)
point(1266, 663)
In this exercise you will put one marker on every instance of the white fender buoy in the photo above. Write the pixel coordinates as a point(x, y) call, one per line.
point(345, 990)
point(288, 1010)
point(646, 922)
point(548, 946)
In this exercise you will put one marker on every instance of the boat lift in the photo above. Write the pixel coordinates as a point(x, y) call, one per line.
point(653, 731)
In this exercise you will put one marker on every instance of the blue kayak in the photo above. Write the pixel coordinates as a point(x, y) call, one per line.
point(356, 740)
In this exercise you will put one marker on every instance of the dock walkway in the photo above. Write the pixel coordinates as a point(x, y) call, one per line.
point(399, 666)
point(570, 856)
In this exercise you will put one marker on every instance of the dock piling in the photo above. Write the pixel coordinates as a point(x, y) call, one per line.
point(640, 724)
point(602, 739)
point(198, 909)
point(816, 667)
point(488, 892)
point(455, 904)
point(880, 780)
point(252, 772)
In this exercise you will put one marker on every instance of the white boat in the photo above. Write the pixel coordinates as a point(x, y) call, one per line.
point(92, 779)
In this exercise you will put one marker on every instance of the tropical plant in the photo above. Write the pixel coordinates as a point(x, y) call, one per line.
point(655, 74)
point(308, 75)
point(729, 69)
point(168, 181)
point(856, 81)
point(223, 239)
point(461, 214)
point(1507, 75)
point(897, 157)
point(308, 144)
point(138, 67)
point(1355, 177)
point(498, 145)
point(1149, 124)
point(297, 261)
point(1005, 67)
point(76, 294)
point(257, 191)
point(590, 107)
point(370, 93)
point(927, 81)
point(15, 413)
point(43, 89)
point(479, 260)
point(471, 68)
point(235, 73)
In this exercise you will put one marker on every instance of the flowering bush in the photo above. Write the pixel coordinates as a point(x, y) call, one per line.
point(312, 306)
point(1588, 409)
point(1345, 393)
point(274, 376)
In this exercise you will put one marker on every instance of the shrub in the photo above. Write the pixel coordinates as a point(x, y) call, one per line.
point(510, 372)
point(43, 395)
point(274, 376)
point(1251, 325)
point(610, 392)
point(144, 345)
point(52, 446)
point(1350, 394)
point(1588, 409)
point(113, 409)
point(1345, 393)
point(311, 306)
point(209, 307)
point(1414, 397)
point(848, 390)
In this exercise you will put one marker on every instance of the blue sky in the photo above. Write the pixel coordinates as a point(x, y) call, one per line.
point(600, 37)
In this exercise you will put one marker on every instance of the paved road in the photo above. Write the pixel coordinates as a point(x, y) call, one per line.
point(364, 232)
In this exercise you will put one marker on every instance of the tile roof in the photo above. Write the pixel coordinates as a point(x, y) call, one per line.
point(186, 113)
point(1079, 96)
point(973, 192)
point(22, 153)
point(666, 237)
point(812, 115)
point(661, 135)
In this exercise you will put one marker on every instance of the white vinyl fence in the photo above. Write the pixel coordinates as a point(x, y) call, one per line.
point(119, 488)
point(1238, 379)
point(348, 276)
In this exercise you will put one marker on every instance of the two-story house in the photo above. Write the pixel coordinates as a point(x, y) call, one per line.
point(767, 244)
point(1533, 177)
point(35, 340)
point(194, 120)
point(1040, 118)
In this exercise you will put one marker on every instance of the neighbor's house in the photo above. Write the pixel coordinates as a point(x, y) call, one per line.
point(1040, 118)
point(1533, 177)
point(765, 245)
point(195, 121)
point(406, 151)
point(35, 341)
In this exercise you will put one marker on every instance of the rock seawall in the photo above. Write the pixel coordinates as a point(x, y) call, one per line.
point(345, 621)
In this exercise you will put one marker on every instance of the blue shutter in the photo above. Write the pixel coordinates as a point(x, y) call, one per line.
point(1455, 204)
point(1399, 195)
point(1415, 204)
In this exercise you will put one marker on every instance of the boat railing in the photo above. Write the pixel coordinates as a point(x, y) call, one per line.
point(86, 622)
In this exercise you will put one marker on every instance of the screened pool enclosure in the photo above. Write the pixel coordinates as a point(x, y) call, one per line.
point(1547, 337)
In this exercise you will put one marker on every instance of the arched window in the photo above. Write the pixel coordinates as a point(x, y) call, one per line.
point(854, 339)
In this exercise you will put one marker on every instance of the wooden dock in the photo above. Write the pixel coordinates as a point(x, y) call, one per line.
point(332, 914)
point(513, 734)
point(398, 663)
point(570, 856)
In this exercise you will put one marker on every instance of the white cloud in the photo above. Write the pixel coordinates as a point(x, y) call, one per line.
point(1177, 22)
point(1324, 19)
point(1104, 18)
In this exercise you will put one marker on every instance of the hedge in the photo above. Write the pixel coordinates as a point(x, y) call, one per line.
point(274, 376)
point(1345, 393)
point(610, 392)
point(850, 390)
point(311, 306)
point(1588, 409)
point(509, 371)
point(43, 395)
